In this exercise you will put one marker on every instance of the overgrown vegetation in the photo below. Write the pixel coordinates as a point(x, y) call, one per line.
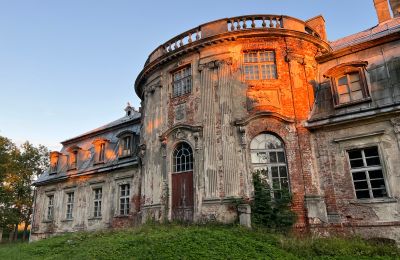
point(195, 242)
point(270, 208)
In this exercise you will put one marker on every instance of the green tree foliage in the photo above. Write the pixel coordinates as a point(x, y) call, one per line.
point(19, 167)
point(269, 208)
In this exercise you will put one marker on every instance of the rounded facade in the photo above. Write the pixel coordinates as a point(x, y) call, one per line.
point(236, 93)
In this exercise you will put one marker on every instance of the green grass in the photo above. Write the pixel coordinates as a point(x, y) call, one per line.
point(194, 242)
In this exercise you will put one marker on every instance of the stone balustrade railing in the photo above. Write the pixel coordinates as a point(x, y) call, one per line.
point(233, 24)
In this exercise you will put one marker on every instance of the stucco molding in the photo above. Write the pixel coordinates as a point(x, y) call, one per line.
point(262, 114)
point(178, 131)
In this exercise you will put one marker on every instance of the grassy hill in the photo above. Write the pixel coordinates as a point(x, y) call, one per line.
point(195, 242)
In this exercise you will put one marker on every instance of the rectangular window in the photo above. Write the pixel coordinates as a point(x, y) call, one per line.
point(70, 205)
point(50, 207)
point(367, 173)
point(124, 190)
point(98, 193)
point(126, 146)
point(259, 65)
point(73, 160)
point(101, 152)
point(54, 166)
point(349, 88)
point(182, 81)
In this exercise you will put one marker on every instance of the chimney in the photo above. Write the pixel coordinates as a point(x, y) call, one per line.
point(395, 6)
point(382, 10)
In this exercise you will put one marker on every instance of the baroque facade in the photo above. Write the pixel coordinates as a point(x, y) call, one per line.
point(230, 97)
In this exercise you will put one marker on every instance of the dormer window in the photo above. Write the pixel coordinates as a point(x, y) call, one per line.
point(54, 157)
point(73, 157)
point(127, 143)
point(348, 82)
point(100, 150)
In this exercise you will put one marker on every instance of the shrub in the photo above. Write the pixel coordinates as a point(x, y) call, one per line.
point(270, 208)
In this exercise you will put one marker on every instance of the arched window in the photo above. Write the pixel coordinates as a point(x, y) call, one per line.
point(268, 153)
point(183, 158)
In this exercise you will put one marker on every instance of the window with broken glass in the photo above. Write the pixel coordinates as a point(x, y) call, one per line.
point(268, 153)
point(50, 207)
point(124, 190)
point(350, 88)
point(259, 65)
point(70, 205)
point(98, 193)
point(182, 81)
point(126, 146)
point(367, 173)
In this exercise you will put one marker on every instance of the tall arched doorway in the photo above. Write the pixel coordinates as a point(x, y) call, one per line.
point(182, 183)
point(268, 153)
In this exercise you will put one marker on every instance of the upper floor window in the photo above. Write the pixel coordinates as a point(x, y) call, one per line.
point(259, 65)
point(367, 173)
point(73, 157)
point(268, 154)
point(54, 157)
point(348, 82)
point(128, 142)
point(182, 81)
point(100, 150)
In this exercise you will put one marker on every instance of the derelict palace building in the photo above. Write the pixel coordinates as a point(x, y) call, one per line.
point(230, 97)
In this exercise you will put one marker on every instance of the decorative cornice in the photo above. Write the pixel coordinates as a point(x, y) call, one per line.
point(190, 128)
point(341, 68)
point(263, 114)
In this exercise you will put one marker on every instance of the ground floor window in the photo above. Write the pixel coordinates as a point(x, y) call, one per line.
point(124, 190)
point(268, 153)
point(367, 173)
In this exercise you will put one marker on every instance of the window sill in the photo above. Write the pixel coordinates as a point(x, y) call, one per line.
point(71, 169)
point(181, 96)
point(98, 163)
point(48, 221)
point(373, 201)
point(122, 216)
point(95, 218)
point(364, 100)
point(125, 156)
point(67, 220)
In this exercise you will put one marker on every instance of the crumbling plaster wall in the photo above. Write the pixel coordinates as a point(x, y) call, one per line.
point(83, 216)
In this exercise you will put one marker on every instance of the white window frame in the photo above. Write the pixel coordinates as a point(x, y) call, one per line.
point(50, 207)
point(182, 84)
point(257, 65)
point(366, 169)
point(69, 205)
point(97, 202)
point(124, 199)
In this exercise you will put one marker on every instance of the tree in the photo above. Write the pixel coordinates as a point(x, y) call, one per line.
point(19, 167)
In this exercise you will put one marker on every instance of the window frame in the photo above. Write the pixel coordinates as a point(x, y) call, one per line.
point(183, 93)
point(134, 139)
point(100, 146)
point(345, 69)
point(97, 209)
point(269, 165)
point(259, 64)
point(366, 169)
point(50, 207)
point(69, 205)
point(125, 209)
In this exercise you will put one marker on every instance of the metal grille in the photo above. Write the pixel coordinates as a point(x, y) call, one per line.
point(268, 153)
point(124, 199)
point(97, 202)
point(259, 65)
point(182, 81)
point(183, 158)
point(367, 173)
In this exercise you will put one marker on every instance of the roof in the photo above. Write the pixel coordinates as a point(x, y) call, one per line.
point(375, 32)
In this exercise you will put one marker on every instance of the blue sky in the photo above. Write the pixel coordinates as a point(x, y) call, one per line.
point(67, 67)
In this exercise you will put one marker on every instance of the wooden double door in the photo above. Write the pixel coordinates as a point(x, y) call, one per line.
point(182, 196)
